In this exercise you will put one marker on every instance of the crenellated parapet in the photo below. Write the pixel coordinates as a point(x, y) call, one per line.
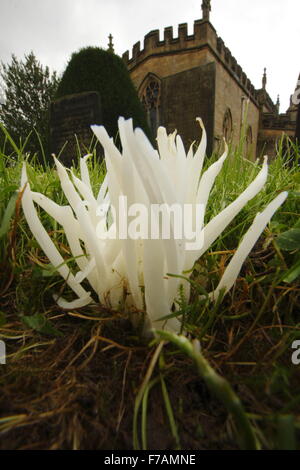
point(169, 44)
point(231, 63)
point(204, 35)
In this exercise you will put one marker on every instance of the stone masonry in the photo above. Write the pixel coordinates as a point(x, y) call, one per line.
point(71, 118)
point(188, 76)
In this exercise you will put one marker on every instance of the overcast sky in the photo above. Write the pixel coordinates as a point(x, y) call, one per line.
point(259, 33)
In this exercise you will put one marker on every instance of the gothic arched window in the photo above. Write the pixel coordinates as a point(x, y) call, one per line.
point(150, 97)
point(227, 125)
point(249, 140)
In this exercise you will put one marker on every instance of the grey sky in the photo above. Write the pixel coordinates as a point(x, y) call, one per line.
point(259, 33)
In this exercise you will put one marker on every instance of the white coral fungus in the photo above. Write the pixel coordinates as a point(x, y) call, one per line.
point(134, 271)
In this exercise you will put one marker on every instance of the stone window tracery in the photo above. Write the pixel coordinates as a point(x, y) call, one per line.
point(150, 98)
point(249, 140)
point(227, 126)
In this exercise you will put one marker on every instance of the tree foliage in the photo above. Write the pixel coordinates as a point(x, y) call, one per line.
point(94, 69)
point(28, 90)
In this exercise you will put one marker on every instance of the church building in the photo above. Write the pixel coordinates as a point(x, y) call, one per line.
point(181, 78)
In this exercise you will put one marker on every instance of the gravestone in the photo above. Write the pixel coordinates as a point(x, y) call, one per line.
point(71, 117)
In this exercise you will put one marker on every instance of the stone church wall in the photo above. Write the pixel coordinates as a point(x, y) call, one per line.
point(198, 77)
point(186, 96)
point(229, 95)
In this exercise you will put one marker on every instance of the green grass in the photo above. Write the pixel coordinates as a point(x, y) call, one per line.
point(85, 379)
